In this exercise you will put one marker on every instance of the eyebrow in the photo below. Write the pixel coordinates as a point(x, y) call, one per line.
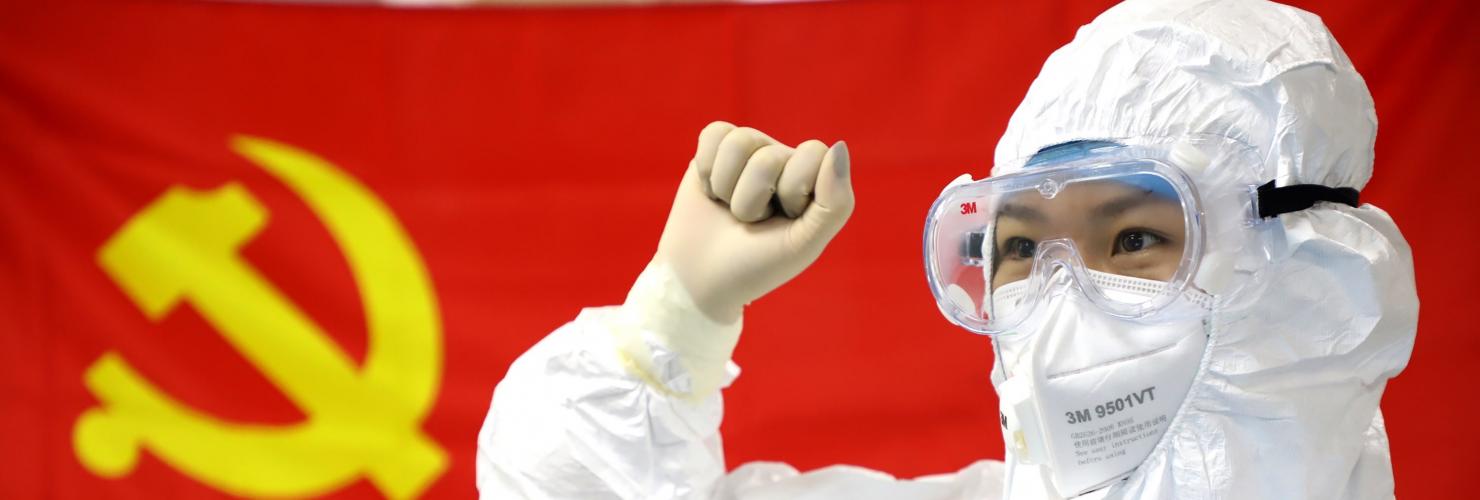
point(1117, 207)
point(1022, 213)
point(1105, 211)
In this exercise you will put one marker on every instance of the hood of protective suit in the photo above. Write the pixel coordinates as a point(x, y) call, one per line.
point(1285, 403)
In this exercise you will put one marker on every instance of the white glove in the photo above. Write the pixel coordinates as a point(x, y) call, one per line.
point(722, 239)
point(725, 246)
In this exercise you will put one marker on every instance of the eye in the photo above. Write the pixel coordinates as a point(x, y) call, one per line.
point(1019, 248)
point(1136, 240)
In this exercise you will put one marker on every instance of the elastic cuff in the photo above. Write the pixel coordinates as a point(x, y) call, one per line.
point(660, 322)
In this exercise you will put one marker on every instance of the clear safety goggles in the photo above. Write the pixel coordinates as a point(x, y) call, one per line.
point(1124, 225)
point(1128, 224)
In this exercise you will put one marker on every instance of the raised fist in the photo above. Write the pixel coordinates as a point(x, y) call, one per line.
point(752, 213)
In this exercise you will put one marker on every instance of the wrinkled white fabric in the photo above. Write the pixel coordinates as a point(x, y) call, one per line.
point(571, 419)
point(659, 312)
point(1284, 403)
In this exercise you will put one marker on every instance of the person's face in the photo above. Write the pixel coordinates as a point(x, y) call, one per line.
point(1117, 228)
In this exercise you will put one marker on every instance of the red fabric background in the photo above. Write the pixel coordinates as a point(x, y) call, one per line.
point(531, 155)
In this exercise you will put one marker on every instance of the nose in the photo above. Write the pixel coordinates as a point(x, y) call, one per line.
point(1059, 260)
point(1061, 252)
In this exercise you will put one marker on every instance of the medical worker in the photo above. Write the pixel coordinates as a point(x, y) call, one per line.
point(1186, 297)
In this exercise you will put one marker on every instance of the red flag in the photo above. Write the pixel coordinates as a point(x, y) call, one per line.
point(288, 250)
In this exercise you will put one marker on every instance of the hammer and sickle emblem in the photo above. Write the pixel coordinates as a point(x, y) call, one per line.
point(361, 421)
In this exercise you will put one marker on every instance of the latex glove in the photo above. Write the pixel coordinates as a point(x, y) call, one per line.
point(724, 239)
point(725, 245)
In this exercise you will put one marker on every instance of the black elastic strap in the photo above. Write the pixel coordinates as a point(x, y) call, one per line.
point(1285, 199)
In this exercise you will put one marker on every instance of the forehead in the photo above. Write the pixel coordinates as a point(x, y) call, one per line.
point(1081, 195)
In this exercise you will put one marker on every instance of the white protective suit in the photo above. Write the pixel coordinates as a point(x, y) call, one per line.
point(1285, 404)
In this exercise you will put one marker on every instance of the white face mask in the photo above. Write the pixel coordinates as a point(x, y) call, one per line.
point(1086, 395)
